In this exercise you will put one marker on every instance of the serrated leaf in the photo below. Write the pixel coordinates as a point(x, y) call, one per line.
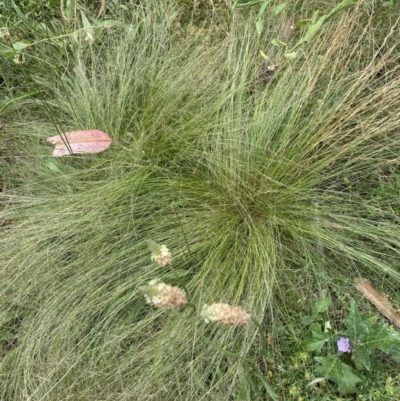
point(314, 344)
point(338, 372)
point(321, 305)
point(361, 357)
point(365, 338)
point(278, 43)
point(318, 339)
point(356, 328)
point(279, 8)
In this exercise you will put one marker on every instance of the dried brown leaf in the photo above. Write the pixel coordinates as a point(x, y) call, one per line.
point(379, 300)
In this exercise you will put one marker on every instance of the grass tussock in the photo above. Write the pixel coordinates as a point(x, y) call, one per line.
point(255, 187)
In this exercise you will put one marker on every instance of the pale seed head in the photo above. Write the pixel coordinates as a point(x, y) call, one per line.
point(225, 313)
point(160, 254)
point(164, 296)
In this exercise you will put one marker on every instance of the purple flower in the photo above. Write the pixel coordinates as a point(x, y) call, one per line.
point(343, 345)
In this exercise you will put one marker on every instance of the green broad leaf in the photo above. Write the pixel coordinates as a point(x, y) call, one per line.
point(318, 339)
point(314, 344)
point(263, 8)
point(366, 338)
point(259, 26)
point(361, 357)
point(380, 337)
point(260, 21)
point(86, 24)
point(19, 46)
point(70, 9)
point(335, 370)
point(279, 8)
point(370, 319)
point(278, 43)
point(321, 305)
point(343, 6)
point(312, 31)
point(302, 22)
point(356, 328)
point(306, 320)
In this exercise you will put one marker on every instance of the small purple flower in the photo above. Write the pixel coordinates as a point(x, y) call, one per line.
point(343, 345)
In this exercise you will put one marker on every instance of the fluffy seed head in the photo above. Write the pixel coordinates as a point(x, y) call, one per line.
point(160, 254)
point(224, 313)
point(164, 296)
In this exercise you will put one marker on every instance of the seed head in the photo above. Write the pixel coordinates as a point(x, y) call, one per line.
point(164, 296)
point(224, 313)
point(160, 253)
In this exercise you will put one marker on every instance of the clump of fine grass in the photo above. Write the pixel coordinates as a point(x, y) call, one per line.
point(247, 185)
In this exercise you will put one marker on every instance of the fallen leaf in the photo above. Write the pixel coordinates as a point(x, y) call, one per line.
point(88, 141)
point(379, 300)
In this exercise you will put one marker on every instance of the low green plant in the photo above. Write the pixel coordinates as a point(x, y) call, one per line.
point(343, 354)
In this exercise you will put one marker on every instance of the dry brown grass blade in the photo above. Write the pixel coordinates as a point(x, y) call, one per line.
point(288, 28)
point(379, 300)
